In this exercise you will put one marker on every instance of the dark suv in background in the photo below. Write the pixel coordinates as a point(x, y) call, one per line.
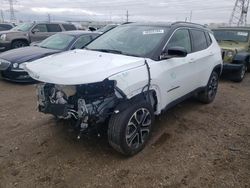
point(26, 33)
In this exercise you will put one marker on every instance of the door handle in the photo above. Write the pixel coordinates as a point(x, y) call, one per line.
point(211, 54)
point(192, 60)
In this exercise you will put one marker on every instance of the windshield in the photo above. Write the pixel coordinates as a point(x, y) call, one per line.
point(106, 28)
point(57, 41)
point(23, 27)
point(130, 40)
point(229, 35)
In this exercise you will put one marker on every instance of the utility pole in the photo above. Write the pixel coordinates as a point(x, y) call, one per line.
point(191, 15)
point(12, 11)
point(2, 16)
point(239, 14)
point(127, 16)
point(49, 18)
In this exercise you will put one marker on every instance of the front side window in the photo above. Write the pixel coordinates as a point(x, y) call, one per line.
point(180, 38)
point(82, 41)
point(54, 28)
point(57, 42)
point(133, 40)
point(199, 40)
point(41, 28)
point(69, 27)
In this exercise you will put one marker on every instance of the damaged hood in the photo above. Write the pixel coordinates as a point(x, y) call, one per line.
point(80, 67)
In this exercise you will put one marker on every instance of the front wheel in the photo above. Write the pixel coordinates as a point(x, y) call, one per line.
point(241, 74)
point(18, 44)
point(129, 130)
point(207, 96)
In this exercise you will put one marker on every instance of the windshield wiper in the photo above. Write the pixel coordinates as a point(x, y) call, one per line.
point(42, 46)
point(108, 51)
point(113, 51)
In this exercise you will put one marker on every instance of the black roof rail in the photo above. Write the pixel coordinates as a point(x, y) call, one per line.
point(182, 22)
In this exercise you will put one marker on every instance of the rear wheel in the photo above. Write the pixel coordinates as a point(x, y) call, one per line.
point(19, 44)
point(129, 130)
point(207, 96)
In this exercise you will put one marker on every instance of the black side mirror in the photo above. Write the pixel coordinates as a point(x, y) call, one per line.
point(35, 31)
point(92, 29)
point(174, 52)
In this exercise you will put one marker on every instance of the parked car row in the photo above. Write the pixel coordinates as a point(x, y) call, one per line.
point(26, 33)
point(12, 60)
point(124, 76)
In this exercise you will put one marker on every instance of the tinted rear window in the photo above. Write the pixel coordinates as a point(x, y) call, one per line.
point(54, 28)
point(69, 27)
point(199, 40)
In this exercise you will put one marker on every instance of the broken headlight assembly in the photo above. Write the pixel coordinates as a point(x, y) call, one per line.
point(87, 104)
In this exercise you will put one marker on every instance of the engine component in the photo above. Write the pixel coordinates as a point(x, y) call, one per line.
point(82, 109)
point(93, 101)
point(96, 91)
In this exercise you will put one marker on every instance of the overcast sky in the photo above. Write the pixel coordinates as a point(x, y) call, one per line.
point(203, 11)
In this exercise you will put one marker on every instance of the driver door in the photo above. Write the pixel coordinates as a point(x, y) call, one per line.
point(177, 74)
point(39, 33)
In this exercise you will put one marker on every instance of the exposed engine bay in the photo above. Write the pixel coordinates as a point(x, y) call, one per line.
point(87, 104)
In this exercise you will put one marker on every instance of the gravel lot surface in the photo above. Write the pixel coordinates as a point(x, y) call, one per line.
point(193, 145)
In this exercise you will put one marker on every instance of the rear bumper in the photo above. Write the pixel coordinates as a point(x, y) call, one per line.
point(16, 76)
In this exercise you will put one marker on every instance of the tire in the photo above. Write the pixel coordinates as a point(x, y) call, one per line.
point(241, 74)
point(208, 95)
point(18, 44)
point(130, 129)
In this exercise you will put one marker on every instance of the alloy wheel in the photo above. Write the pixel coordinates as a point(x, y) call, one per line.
point(213, 86)
point(138, 128)
point(243, 71)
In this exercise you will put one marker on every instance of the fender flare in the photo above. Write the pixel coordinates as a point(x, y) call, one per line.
point(218, 69)
point(154, 99)
point(241, 58)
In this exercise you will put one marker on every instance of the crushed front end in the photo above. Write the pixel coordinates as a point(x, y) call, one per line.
point(88, 104)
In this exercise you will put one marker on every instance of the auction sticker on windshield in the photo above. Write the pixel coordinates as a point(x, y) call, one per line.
point(245, 34)
point(152, 32)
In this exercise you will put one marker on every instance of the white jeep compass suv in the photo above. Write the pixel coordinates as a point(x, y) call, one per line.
point(127, 76)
